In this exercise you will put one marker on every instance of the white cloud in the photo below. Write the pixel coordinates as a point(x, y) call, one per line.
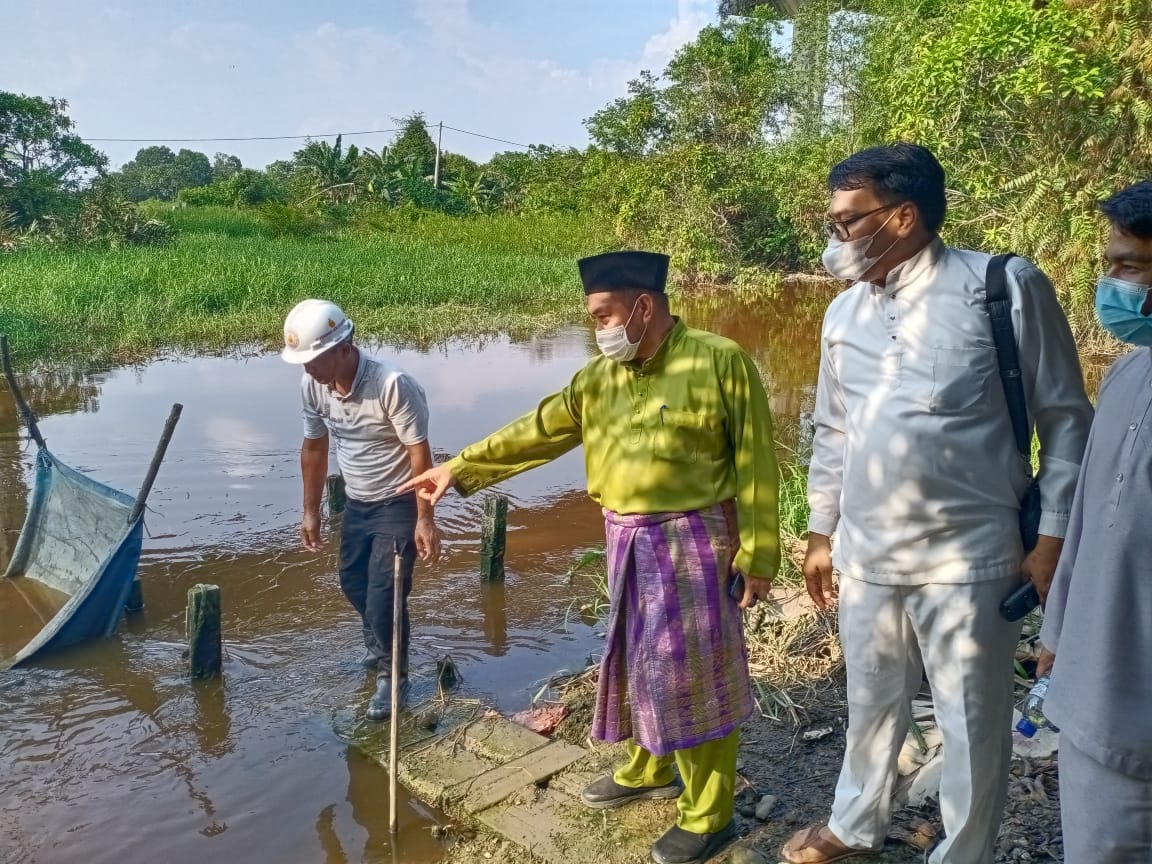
point(129, 75)
point(691, 17)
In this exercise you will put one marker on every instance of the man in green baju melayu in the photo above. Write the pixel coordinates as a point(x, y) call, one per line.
point(679, 452)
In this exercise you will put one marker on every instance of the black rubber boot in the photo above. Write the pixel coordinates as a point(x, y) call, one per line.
point(678, 846)
point(380, 706)
point(371, 659)
point(605, 793)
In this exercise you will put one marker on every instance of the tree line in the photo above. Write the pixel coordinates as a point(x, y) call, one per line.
point(1036, 108)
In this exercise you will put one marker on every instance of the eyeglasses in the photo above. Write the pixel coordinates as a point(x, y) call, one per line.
point(839, 228)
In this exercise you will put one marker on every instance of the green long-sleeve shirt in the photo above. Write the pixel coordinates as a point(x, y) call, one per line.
point(687, 428)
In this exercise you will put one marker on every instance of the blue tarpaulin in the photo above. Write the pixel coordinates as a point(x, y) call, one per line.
point(76, 540)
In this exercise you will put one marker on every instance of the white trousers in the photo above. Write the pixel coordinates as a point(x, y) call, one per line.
point(890, 636)
point(1106, 815)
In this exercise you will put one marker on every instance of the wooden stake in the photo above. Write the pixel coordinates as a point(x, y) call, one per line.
point(203, 624)
point(492, 538)
point(394, 731)
point(17, 396)
point(136, 596)
point(135, 601)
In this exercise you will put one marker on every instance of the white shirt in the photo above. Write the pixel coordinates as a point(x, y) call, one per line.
point(913, 460)
point(384, 411)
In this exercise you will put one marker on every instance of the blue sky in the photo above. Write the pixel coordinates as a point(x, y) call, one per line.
point(211, 68)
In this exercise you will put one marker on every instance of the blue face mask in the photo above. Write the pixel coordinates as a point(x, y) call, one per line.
point(1118, 305)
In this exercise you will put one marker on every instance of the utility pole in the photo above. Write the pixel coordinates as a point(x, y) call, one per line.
point(436, 170)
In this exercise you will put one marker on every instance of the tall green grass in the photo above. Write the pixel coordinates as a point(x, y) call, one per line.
point(229, 279)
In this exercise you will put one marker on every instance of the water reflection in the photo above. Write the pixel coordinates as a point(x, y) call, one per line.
point(494, 601)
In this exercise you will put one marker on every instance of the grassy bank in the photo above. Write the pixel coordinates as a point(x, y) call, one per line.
point(229, 278)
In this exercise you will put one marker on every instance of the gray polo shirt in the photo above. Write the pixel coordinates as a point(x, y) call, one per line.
point(1098, 618)
point(384, 411)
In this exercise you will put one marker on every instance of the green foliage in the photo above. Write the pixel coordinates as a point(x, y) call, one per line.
point(328, 171)
point(42, 162)
point(1037, 111)
point(793, 501)
point(705, 206)
point(283, 220)
point(413, 145)
point(158, 173)
point(225, 221)
point(635, 124)
point(225, 279)
point(724, 89)
point(558, 180)
point(108, 220)
point(681, 162)
point(39, 198)
point(242, 188)
point(225, 166)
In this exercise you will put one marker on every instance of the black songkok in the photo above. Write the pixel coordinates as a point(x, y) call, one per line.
point(622, 271)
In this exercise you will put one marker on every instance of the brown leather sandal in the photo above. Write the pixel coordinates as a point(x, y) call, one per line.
point(817, 845)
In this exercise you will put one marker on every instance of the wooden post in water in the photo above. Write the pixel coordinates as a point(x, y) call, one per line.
point(492, 538)
point(136, 595)
point(337, 497)
point(135, 601)
point(22, 408)
point(203, 622)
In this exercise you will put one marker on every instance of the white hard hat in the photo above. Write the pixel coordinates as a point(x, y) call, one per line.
point(311, 328)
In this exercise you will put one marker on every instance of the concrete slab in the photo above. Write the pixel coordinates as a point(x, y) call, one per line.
point(491, 769)
point(501, 740)
point(572, 783)
point(556, 830)
point(416, 730)
point(500, 783)
point(431, 771)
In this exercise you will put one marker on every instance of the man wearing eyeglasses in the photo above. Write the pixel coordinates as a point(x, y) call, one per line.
point(916, 472)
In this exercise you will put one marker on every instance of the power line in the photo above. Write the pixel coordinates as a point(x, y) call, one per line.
point(248, 138)
point(489, 137)
point(287, 137)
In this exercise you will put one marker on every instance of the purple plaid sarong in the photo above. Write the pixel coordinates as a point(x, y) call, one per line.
point(675, 669)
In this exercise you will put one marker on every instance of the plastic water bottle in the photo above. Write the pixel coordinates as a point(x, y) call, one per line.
point(1033, 710)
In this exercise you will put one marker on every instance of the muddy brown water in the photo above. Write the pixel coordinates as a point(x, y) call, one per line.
point(107, 752)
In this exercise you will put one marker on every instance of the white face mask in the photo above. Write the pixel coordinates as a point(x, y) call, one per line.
point(613, 341)
point(849, 259)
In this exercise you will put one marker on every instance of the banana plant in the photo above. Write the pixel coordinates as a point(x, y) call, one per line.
point(329, 170)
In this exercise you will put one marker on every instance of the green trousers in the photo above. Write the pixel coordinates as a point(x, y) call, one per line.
point(709, 775)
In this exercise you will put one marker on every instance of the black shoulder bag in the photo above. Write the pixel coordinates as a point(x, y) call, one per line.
point(998, 305)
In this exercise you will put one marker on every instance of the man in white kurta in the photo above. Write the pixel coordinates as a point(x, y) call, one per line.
point(915, 472)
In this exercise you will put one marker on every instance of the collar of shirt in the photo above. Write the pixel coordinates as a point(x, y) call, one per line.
point(360, 367)
point(913, 274)
point(656, 362)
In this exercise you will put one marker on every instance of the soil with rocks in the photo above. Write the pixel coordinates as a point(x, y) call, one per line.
point(797, 765)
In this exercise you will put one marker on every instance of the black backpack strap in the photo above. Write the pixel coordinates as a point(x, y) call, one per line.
point(999, 307)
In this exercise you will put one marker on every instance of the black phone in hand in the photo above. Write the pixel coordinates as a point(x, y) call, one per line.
point(737, 588)
point(1020, 602)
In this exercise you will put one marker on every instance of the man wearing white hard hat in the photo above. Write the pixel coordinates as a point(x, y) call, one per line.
point(378, 415)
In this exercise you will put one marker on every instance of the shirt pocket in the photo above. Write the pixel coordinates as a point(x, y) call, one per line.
point(677, 437)
point(960, 378)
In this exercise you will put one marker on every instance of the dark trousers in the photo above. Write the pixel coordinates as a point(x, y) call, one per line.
point(372, 531)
